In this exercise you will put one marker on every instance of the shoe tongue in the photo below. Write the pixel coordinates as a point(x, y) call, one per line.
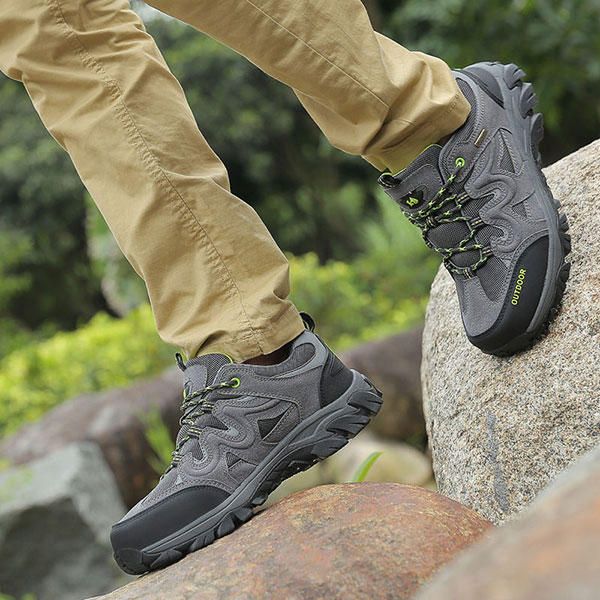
point(202, 371)
point(414, 187)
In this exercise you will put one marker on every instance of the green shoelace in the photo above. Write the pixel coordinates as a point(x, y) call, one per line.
point(193, 406)
point(446, 207)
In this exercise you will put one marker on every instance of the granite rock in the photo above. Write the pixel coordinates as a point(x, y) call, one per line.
point(500, 429)
point(55, 517)
point(114, 420)
point(550, 551)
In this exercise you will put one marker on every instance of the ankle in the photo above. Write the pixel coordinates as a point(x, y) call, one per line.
point(273, 358)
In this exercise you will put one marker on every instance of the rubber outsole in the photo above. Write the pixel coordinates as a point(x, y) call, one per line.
point(361, 406)
point(514, 79)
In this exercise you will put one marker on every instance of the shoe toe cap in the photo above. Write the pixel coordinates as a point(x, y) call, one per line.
point(142, 528)
point(511, 316)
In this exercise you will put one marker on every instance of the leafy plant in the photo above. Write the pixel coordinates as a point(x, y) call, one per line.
point(363, 470)
point(159, 438)
point(105, 353)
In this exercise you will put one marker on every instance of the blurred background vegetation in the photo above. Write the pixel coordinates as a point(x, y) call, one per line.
point(73, 315)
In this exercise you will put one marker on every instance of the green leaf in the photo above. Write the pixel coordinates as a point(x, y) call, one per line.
point(364, 468)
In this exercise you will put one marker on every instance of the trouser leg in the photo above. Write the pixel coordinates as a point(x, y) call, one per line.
point(369, 95)
point(215, 278)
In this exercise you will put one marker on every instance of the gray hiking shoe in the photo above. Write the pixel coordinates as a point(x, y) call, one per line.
point(482, 202)
point(245, 429)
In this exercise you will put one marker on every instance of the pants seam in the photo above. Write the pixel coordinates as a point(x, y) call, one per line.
point(147, 157)
point(313, 49)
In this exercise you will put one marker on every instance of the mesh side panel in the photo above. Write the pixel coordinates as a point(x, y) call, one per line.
point(231, 459)
point(212, 363)
point(265, 426)
point(196, 450)
point(472, 207)
point(519, 208)
point(182, 433)
point(506, 163)
point(492, 276)
point(465, 259)
point(485, 234)
point(448, 235)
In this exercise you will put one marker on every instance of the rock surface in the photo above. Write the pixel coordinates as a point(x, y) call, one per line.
point(549, 552)
point(359, 541)
point(55, 516)
point(501, 429)
point(110, 419)
point(393, 365)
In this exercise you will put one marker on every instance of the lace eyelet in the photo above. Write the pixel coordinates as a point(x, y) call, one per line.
point(459, 162)
point(235, 382)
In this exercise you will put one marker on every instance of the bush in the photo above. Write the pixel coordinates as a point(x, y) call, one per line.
point(105, 353)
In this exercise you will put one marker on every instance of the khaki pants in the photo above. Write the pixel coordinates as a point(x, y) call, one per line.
point(215, 278)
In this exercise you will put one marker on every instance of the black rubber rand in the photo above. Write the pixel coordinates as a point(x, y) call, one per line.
point(521, 301)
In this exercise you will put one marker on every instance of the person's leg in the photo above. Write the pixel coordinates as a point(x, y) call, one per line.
point(463, 145)
point(215, 277)
point(369, 95)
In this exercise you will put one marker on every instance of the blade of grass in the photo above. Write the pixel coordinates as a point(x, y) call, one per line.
point(159, 438)
point(364, 468)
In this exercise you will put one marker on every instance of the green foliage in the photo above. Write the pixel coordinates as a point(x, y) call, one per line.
point(555, 41)
point(41, 202)
point(13, 247)
point(105, 353)
point(159, 438)
point(384, 290)
point(363, 469)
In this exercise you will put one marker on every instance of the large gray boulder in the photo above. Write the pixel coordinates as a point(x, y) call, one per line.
point(500, 429)
point(55, 518)
point(114, 420)
point(549, 552)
